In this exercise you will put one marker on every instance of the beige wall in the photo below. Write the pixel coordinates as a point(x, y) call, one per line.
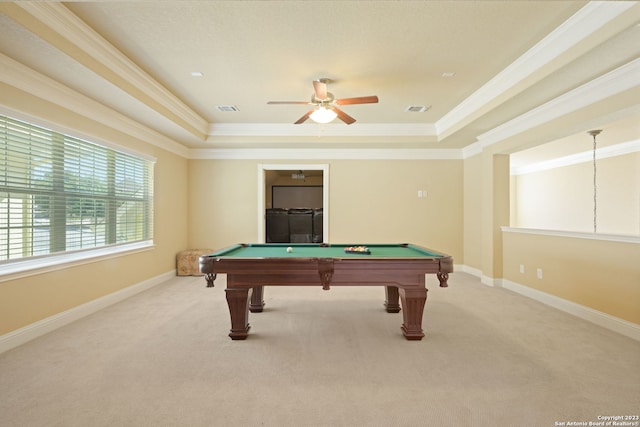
point(376, 201)
point(472, 207)
point(26, 300)
point(223, 203)
point(562, 198)
point(486, 195)
point(602, 275)
point(599, 274)
point(370, 201)
point(595, 273)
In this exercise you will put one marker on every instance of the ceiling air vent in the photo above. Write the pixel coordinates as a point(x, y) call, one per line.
point(228, 108)
point(417, 108)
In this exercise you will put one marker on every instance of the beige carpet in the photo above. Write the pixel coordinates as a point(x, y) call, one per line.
point(321, 358)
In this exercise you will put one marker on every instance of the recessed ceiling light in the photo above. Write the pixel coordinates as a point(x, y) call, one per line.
point(448, 74)
point(417, 108)
point(196, 74)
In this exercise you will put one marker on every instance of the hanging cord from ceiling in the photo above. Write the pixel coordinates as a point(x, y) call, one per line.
point(595, 133)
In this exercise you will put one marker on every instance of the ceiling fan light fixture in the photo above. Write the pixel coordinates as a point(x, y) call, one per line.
point(323, 115)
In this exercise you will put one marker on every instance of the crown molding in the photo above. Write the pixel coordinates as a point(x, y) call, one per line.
point(30, 81)
point(619, 80)
point(333, 129)
point(326, 154)
point(472, 150)
point(57, 25)
point(535, 62)
point(621, 149)
point(612, 83)
point(23, 78)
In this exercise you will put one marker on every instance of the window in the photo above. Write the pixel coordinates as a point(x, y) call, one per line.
point(60, 194)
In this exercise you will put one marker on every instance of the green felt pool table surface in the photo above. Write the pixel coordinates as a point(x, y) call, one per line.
point(318, 250)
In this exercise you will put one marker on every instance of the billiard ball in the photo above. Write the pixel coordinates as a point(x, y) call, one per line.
point(289, 249)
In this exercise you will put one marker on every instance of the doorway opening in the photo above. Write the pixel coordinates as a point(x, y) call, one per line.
point(291, 186)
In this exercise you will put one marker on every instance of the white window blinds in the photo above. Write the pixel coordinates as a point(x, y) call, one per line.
point(60, 194)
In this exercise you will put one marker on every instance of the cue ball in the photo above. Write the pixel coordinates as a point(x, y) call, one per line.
point(289, 249)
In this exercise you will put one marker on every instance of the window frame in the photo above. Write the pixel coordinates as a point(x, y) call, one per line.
point(20, 267)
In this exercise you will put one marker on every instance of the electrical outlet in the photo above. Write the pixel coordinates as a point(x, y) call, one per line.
point(539, 273)
point(522, 268)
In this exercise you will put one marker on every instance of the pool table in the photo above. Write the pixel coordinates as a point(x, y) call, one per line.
point(401, 268)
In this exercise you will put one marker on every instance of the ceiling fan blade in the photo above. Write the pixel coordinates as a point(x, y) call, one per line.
point(287, 102)
point(321, 89)
point(304, 118)
point(344, 116)
point(358, 100)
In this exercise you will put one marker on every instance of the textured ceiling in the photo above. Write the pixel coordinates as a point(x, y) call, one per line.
point(252, 52)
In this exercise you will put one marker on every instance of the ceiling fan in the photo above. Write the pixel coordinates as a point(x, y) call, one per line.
point(325, 105)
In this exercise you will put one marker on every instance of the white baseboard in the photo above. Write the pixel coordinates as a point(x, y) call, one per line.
point(466, 269)
point(621, 326)
point(490, 281)
point(484, 279)
point(599, 318)
point(20, 336)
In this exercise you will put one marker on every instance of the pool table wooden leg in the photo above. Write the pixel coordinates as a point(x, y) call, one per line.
point(443, 277)
point(392, 302)
point(256, 303)
point(413, 301)
point(238, 301)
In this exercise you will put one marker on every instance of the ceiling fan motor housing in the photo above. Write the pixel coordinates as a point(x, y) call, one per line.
point(323, 102)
